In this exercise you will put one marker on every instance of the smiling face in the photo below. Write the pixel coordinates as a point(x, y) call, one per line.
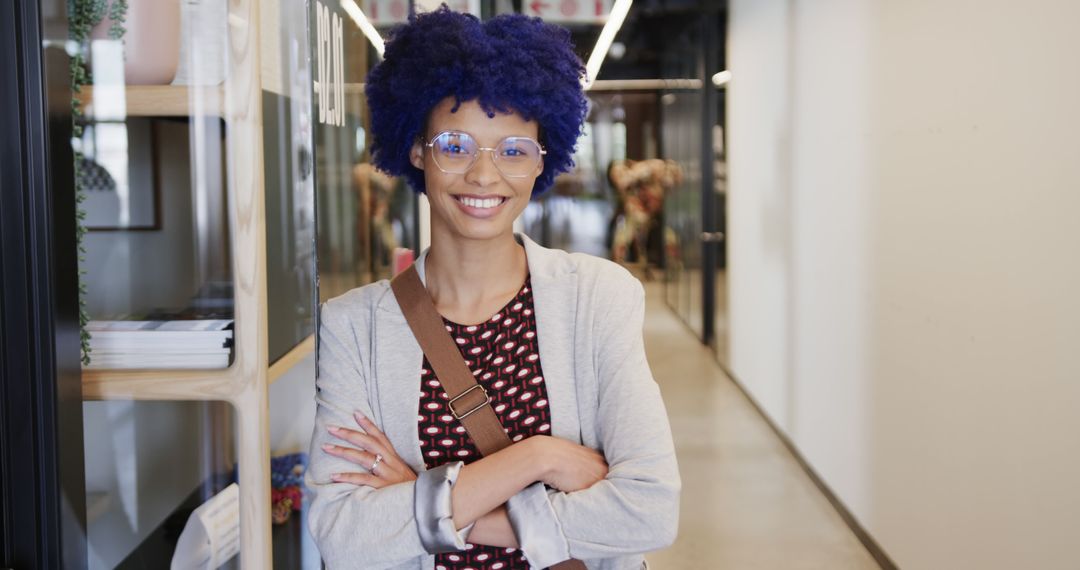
point(482, 203)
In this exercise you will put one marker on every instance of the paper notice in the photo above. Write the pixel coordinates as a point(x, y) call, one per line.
point(212, 534)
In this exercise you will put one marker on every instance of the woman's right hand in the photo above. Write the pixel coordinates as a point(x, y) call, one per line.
point(568, 466)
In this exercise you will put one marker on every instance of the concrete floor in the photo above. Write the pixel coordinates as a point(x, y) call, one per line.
point(746, 502)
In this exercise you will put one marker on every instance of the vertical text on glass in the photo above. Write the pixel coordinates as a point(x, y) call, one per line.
point(330, 52)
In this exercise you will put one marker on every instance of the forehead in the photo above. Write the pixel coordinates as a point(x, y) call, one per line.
point(471, 118)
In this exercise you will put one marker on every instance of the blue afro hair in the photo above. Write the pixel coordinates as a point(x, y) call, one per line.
point(511, 63)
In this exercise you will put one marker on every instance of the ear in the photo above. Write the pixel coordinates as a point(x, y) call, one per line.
point(416, 155)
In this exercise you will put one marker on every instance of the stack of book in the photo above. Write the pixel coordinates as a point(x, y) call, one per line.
point(188, 343)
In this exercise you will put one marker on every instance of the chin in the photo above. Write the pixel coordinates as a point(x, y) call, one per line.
point(473, 230)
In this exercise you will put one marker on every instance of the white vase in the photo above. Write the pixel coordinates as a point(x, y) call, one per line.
point(151, 41)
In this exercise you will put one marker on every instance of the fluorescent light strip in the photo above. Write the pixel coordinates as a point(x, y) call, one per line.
point(365, 26)
point(603, 43)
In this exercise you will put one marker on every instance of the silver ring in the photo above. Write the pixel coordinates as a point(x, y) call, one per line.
point(378, 458)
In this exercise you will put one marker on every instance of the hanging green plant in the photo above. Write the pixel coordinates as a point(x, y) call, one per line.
point(83, 15)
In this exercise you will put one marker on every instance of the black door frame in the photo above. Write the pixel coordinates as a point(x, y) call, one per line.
point(42, 481)
point(710, 62)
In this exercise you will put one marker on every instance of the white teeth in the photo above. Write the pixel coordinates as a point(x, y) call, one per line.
point(484, 203)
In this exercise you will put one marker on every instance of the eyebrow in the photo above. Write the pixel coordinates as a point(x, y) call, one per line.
point(474, 137)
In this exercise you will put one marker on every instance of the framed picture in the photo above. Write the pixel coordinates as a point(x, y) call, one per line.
point(119, 171)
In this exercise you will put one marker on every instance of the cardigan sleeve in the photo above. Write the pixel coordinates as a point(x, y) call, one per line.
point(635, 509)
point(357, 526)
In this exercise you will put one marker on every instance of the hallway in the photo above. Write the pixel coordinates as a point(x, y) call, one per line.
point(747, 504)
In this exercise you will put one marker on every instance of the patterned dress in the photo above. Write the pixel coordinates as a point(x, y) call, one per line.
point(504, 356)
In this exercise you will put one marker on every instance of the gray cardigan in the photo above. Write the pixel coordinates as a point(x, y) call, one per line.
point(589, 314)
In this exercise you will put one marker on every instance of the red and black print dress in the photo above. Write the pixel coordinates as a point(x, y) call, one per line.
point(503, 354)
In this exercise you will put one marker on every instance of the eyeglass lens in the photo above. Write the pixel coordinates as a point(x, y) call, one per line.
point(456, 152)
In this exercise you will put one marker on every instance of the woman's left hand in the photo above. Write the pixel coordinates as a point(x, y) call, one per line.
point(383, 466)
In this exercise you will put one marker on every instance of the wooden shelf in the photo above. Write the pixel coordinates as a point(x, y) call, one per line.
point(150, 384)
point(161, 100)
point(159, 384)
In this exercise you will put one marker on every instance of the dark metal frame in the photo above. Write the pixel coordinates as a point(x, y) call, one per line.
point(709, 64)
point(42, 482)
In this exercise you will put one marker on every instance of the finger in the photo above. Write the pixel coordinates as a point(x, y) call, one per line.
point(371, 439)
point(372, 429)
point(366, 442)
point(376, 464)
point(357, 438)
point(365, 479)
point(362, 458)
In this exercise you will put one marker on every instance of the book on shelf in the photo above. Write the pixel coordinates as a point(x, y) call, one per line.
point(197, 343)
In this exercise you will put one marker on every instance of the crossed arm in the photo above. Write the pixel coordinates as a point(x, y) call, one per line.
point(482, 487)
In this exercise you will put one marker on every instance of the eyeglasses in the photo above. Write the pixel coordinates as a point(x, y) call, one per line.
point(456, 152)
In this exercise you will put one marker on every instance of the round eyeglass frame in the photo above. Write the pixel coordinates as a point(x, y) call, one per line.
point(479, 150)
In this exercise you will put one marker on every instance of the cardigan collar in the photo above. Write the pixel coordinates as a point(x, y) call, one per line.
point(398, 357)
point(543, 263)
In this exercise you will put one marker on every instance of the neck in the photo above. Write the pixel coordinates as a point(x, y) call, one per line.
point(466, 273)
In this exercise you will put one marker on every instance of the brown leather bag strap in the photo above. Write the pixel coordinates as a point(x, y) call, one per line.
point(469, 402)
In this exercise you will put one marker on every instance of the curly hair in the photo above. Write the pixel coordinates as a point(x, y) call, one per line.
point(511, 63)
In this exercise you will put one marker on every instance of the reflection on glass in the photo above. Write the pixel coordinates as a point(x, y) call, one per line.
point(148, 465)
point(364, 216)
point(290, 186)
point(157, 249)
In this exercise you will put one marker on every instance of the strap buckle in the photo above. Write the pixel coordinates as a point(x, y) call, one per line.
point(487, 400)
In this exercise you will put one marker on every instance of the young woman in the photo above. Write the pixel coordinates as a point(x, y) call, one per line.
point(481, 117)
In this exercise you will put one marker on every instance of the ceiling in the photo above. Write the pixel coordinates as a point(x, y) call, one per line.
point(651, 31)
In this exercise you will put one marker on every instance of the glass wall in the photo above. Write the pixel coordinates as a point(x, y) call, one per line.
point(692, 136)
point(157, 268)
point(364, 216)
point(680, 139)
point(577, 213)
point(169, 187)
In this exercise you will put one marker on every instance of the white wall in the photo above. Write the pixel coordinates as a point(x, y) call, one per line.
point(905, 269)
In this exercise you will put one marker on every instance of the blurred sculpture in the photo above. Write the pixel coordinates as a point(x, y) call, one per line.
point(640, 187)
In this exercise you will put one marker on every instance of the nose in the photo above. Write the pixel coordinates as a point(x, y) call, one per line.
point(483, 172)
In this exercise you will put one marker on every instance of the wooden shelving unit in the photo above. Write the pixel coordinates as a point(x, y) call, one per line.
point(246, 382)
point(161, 100)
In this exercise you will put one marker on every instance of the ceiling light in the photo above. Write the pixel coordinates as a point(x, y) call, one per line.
point(617, 51)
point(365, 26)
point(603, 43)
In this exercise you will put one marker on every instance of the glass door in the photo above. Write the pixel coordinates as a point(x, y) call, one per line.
point(695, 224)
point(175, 241)
point(681, 135)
